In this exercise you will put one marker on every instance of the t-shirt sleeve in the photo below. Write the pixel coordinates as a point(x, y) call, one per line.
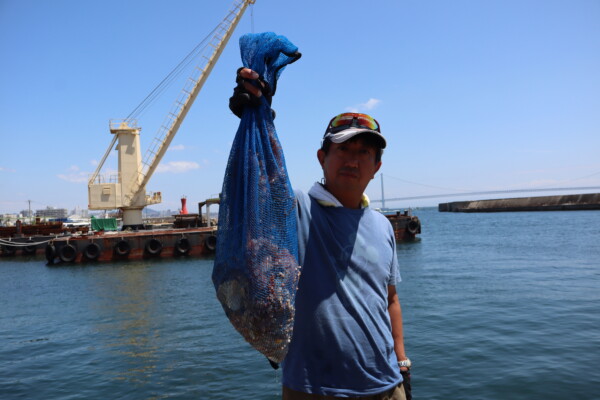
point(395, 268)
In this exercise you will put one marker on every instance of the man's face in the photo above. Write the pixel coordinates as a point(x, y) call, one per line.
point(349, 167)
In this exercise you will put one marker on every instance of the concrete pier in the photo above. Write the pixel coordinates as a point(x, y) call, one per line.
point(571, 202)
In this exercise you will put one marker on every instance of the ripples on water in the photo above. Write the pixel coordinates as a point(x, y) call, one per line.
point(496, 306)
point(502, 306)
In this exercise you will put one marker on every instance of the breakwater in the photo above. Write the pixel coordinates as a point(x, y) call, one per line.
point(587, 201)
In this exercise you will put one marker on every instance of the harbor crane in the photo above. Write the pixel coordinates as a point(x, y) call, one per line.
point(127, 191)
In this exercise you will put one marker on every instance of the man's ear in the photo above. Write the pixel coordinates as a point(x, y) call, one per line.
point(321, 156)
point(376, 169)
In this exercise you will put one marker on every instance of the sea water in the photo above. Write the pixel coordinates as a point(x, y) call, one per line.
point(495, 306)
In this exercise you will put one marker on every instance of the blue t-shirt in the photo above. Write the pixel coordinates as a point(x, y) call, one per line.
point(342, 342)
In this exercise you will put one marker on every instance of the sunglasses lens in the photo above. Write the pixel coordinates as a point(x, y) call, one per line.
point(342, 120)
point(367, 122)
point(352, 119)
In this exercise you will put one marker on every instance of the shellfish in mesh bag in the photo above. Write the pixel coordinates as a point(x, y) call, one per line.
point(256, 271)
point(261, 305)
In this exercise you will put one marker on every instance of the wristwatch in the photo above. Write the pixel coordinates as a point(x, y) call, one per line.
point(404, 363)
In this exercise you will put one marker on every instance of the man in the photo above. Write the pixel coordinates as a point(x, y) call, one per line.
point(347, 339)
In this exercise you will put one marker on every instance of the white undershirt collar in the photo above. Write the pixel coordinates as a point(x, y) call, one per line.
point(326, 199)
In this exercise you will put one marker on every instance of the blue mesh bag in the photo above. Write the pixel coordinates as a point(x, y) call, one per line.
point(256, 270)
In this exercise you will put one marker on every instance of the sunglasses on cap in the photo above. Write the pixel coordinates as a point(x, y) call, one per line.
point(352, 120)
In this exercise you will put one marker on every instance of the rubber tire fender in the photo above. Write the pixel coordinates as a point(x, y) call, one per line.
point(67, 253)
point(182, 246)
point(30, 249)
point(211, 243)
point(92, 251)
point(153, 247)
point(50, 253)
point(122, 248)
point(413, 226)
point(8, 250)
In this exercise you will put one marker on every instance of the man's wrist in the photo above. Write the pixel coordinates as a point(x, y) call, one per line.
point(404, 363)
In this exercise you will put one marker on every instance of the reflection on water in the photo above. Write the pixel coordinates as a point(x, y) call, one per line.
point(127, 314)
point(140, 330)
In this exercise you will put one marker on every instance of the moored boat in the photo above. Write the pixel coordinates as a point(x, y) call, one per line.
point(26, 239)
point(132, 245)
point(406, 226)
point(166, 243)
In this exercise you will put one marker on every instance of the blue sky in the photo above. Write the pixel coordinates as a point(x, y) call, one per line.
point(472, 95)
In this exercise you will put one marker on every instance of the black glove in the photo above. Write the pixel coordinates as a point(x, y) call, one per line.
point(406, 384)
point(242, 98)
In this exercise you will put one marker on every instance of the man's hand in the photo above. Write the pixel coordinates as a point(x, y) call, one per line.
point(248, 74)
point(250, 88)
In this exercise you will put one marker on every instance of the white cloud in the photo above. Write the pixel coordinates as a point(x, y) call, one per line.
point(363, 107)
point(75, 176)
point(3, 169)
point(177, 167)
point(177, 147)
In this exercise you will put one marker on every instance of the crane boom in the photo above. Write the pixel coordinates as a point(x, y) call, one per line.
point(129, 193)
point(189, 93)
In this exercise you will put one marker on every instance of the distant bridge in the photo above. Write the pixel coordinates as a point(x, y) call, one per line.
point(433, 196)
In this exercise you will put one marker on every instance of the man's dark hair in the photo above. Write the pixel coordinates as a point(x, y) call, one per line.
point(368, 139)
